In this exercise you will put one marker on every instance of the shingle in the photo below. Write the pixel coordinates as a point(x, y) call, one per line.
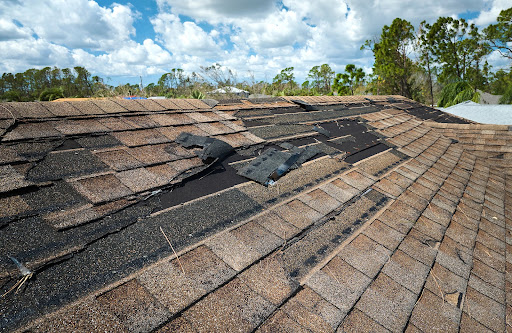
point(278, 226)
point(102, 188)
point(29, 110)
point(339, 283)
point(63, 164)
point(172, 119)
point(119, 160)
point(109, 106)
point(141, 137)
point(160, 153)
point(173, 132)
point(432, 314)
point(388, 303)
point(442, 282)
point(365, 255)
point(138, 180)
point(485, 310)
point(115, 123)
point(130, 105)
point(320, 201)
point(384, 235)
point(87, 107)
point(73, 127)
point(31, 130)
point(10, 179)
point(298, 214)
point(280, 321)
point(407, 271)
point(176, 290)
point(270, 279)
point(339, 190)
point(214, 128)
point(358, 322)
point(86, 316)
point(134, 307)
point(357, 180)
point(167, 104)
point(61, 109)
point(243, 245)
point(234, 307)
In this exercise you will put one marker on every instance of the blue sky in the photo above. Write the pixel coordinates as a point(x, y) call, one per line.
point(124, 40)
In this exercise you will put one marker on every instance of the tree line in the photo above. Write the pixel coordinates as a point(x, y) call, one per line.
point(440, 63)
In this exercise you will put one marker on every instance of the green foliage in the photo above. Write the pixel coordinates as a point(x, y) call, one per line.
point(457, 92)
point(392, 63)
point(345, 83)
point(458, 47)
point(11, 96)
point(285, 80)
point(197, 94)
point(50, 94)
point(499, 35)
point(507, 96)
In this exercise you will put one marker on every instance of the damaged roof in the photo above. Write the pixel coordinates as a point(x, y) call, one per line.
point(314, 213)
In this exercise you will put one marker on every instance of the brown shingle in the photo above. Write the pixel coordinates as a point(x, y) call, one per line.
point(141, 137)
point(340, 284)
point(175, 290)
point(320, 201)
point(298, 213)
point(234, 307)
point(270, 279)
point(109, 106)
point(134, 307)
point(119, 160)
point(432, 314)
point(365, 255)
point(138, 180)
point(102, 188)
point(243, 245)
point(388, 303)
point(61, 109)
point(29, 110)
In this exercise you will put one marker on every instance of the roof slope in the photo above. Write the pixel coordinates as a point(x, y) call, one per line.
point(400, 222)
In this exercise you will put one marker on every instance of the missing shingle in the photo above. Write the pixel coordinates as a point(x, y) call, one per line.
point(272, 164)
point(213, 149)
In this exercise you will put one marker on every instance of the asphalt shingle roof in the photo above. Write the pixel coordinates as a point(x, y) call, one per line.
point(399, 224)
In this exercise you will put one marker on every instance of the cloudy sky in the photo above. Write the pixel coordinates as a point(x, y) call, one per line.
point(124, 40)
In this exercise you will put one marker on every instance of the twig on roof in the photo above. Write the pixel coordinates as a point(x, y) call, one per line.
point(172, 248)
point(26, 275)
point(438, 286)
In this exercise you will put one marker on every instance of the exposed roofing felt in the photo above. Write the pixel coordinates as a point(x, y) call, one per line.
point(482, 113)
point(109, 223)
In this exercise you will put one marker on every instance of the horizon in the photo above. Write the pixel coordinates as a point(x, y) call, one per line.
point(121, 41)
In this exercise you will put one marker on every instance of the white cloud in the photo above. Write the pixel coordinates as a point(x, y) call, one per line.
point(491, 12)
point(184, 37)
point(75, 23)
point(10, 31)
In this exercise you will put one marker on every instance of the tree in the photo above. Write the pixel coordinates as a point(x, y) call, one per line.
point(321, 77)
point(499, 35)
point(392, 63)
point(345, 84)
point(456, 46)
point(285, 80)
point(426, 57)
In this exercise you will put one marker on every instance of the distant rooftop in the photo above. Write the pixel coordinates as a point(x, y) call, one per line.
point(482, 113)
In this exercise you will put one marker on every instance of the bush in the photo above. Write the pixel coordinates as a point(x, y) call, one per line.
point(50, 94)
point(507, 96)
point(457, 92)
point(11, 96)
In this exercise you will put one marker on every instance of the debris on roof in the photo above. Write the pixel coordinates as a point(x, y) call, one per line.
point(395, 221)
